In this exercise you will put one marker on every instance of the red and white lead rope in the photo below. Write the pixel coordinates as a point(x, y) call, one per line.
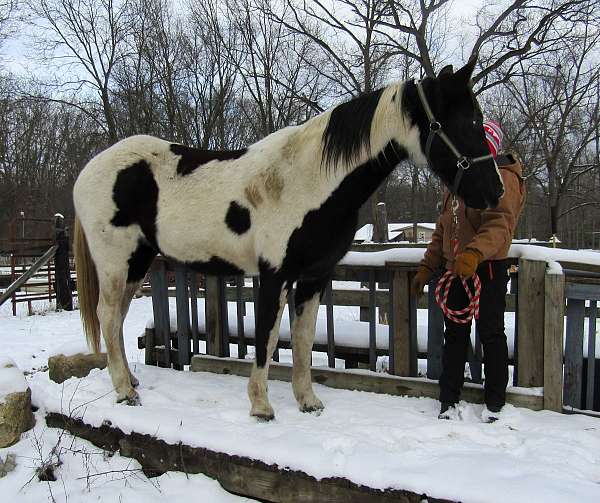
point(443, 287)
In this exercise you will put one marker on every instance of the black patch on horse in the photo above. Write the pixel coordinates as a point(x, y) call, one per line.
point(271, 282)
point(349, 128)
point(327, 232)
point(238, 218)
point(306, 290)
point(192, 158)
point(140, 261)
point(215, 266)
point(136, 194)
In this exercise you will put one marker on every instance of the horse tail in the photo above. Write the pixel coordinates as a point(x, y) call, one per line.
point(88, 290)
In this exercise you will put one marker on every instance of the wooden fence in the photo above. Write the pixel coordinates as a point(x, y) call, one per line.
point(538, 300)
point(40, 268)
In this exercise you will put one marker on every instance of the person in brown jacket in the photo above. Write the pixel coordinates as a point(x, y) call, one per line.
point(484, 237)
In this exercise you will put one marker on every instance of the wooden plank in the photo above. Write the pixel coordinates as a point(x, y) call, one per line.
point(530, 362)
point(214, 338)
point(341, 297)
point(372, 323)
point(582, 291)
point(160, 308)
point(360, 380)
point(412, 327)
point(401, 308)
point(183, 315)
point(591, 357)
point(194, 309)
point(574, 353)
point(241, 311)
point(13, 287)
point(237, 474)
point(391, 327)
point(435, 333)
point(554, 310)
point(330, 326)
point(224, 315)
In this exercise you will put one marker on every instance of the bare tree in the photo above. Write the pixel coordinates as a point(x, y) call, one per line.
point(557, 96)
point(83, 39)
point(504, 35)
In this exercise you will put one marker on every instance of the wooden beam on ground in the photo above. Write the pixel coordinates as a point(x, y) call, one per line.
point(554, 312)
point(237, 474)
point(359, 380)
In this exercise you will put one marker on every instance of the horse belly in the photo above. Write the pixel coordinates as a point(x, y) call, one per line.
point(208, 249)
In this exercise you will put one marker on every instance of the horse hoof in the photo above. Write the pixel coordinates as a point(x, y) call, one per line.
point(312, 406)
point(264, 418)
point(134, 381)
point(263, 414)
point(132, 400)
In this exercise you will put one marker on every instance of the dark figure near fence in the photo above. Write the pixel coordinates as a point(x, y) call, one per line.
point(64, 297)
point(484, 238)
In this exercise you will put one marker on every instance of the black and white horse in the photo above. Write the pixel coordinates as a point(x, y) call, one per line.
point(285, 209)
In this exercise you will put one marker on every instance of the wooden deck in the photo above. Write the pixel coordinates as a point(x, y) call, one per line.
point(237, 474)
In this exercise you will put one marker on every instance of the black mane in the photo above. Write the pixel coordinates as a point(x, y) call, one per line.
point(349, 128)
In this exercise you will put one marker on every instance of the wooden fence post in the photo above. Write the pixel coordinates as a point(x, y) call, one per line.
point(162, 322)
point(183, 315)
point(574, 352)
point(214, 318)
point(530, 362)
point(403, 326)
point(435, 333)
point(554, 312)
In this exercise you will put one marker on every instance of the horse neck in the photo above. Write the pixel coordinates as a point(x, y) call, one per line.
point(390, 134)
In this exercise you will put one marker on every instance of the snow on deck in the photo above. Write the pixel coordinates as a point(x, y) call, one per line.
point(532, 252)
point(376, 440)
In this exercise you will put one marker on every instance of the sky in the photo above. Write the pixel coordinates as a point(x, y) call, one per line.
point(17, 56)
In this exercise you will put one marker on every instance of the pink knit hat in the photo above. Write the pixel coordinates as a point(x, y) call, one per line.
point(493, 135)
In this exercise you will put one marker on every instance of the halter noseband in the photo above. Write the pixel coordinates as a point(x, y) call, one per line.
point(435, 129)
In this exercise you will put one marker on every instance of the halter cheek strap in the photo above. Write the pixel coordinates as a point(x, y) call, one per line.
point(435, 129)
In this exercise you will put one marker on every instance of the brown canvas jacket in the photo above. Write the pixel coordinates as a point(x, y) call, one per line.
point(487, 231)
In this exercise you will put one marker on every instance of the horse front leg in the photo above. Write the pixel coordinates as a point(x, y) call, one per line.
point(271, 301)
point(307, 300)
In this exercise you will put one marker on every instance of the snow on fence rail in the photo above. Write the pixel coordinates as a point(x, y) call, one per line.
point(538, 328)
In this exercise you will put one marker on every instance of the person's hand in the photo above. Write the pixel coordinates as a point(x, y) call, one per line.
point(422, 277)
point(465, 263)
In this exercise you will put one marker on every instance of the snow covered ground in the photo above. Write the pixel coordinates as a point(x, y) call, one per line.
point(377, 440)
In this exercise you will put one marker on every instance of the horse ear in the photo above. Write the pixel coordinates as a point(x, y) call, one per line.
point(447, 70)
point(466, 71)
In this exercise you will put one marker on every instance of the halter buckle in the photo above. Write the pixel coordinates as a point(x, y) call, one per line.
point(434, 126)
point(463, 163)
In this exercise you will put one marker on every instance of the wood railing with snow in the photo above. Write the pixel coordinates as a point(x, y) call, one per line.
point(175, 339)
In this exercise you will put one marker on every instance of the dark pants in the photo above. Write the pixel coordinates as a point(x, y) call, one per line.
point(491, 333)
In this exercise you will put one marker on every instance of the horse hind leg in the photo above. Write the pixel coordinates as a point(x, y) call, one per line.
point(307, 300)
point(110, 305)
point(130, 290)
point(271, 301)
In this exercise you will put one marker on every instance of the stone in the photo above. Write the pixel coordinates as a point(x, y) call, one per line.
point(8, 465)
point(64, 367)
point(15, 404)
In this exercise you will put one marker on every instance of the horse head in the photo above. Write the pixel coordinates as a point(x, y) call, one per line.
point(451, 136)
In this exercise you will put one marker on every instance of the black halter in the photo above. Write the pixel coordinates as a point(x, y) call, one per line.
point(435, 129)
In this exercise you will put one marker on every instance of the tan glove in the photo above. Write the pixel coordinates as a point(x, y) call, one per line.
point(465, 263)
point(422, 277)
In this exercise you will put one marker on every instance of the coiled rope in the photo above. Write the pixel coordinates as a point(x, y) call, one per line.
point(443, 286)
